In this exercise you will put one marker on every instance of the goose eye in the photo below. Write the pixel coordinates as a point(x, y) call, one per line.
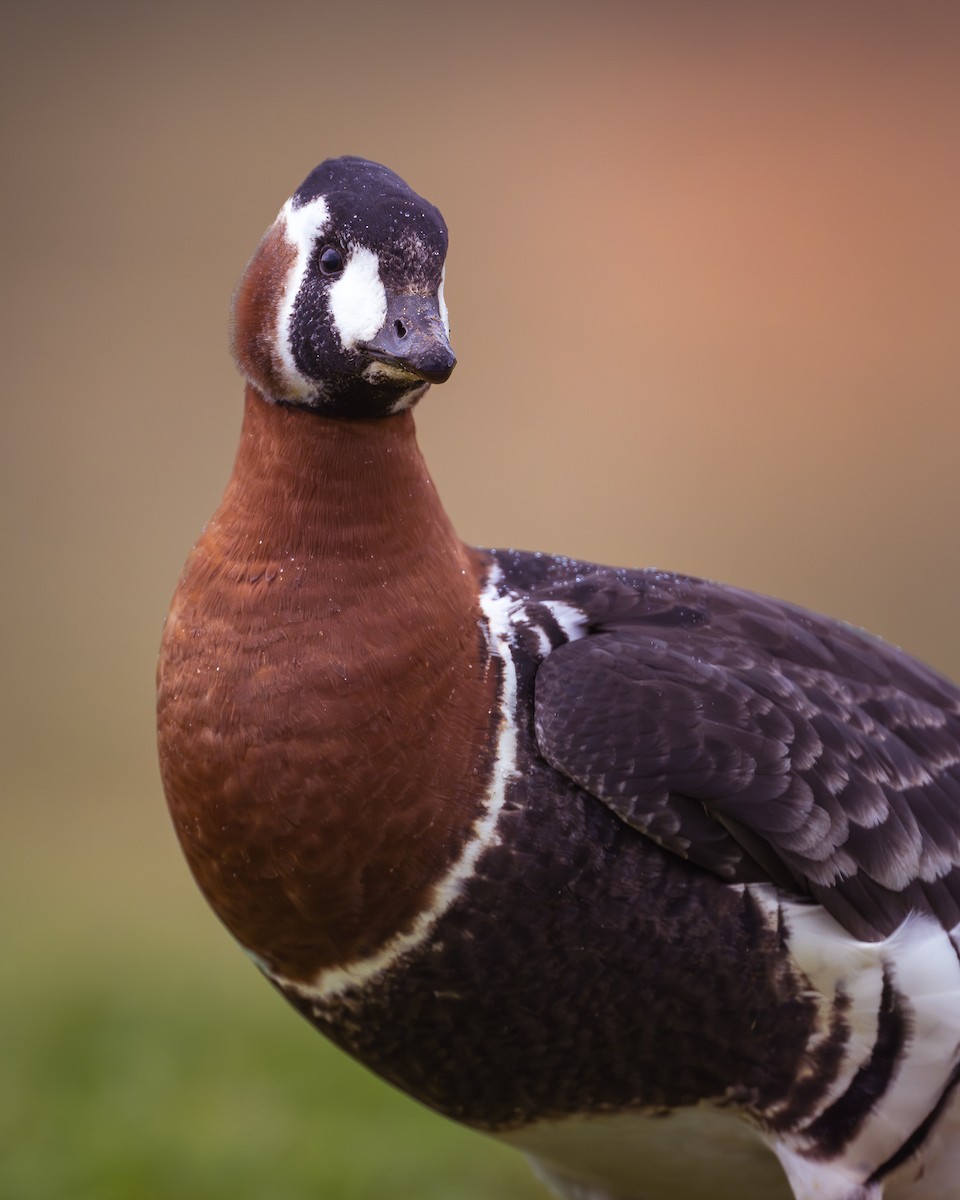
point(330, 261)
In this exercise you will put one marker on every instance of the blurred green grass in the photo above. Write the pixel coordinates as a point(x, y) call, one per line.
point(143, 1058)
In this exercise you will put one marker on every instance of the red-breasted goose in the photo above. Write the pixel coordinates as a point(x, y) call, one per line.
point(652, 878)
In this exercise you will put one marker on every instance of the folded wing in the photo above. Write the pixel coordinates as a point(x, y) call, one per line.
point(761, 741)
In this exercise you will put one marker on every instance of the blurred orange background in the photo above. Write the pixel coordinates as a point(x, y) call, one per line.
point(704, 283)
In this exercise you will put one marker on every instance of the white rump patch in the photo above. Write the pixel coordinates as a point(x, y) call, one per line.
point(358, 300)
point(334, 982)
point(304, 225)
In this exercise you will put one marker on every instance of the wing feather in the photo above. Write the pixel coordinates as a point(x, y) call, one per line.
point(760, 741)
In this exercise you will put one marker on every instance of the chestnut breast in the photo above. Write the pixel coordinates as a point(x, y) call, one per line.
point(326, 700)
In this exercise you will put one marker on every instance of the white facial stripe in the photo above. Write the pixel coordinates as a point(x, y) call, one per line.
point(304, 226)
point(442, 304)
point(358, 301)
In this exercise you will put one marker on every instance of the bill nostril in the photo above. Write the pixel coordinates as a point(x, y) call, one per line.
point(400, 328)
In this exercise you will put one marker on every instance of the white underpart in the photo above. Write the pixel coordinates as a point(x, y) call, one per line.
point(303, 226)
point(697, 1153)
point(934, 1173)
point(442, 304)
point(332, 983)
point(358, 299)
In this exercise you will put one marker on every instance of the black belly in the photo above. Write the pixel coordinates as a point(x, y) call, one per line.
point(583, 969)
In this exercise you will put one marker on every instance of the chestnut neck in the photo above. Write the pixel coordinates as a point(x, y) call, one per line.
point(325, 698)
point(355, 494)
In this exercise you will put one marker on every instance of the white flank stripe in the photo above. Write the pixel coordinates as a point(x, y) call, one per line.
point(332, 983)
point(831, 958)
point(925, 972)
point(303, 226)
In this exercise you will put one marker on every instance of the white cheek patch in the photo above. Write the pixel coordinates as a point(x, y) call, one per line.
point(304, 226)
point(358, 300)
point(442, 304)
